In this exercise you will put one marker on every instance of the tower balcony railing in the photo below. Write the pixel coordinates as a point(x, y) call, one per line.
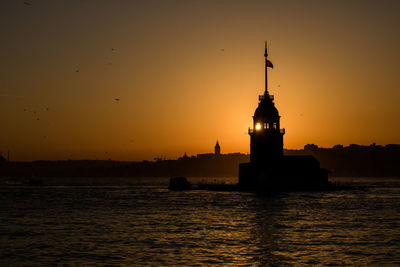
point(262, 97)
point(282, 131)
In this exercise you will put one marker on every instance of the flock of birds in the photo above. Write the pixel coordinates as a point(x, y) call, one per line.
point(35, 114)
point(28, 3)
point(77, 70)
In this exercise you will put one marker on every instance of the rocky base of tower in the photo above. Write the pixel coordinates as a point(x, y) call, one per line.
point(286, 173)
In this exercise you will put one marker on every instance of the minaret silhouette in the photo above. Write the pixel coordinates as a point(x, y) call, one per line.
point(266, 137)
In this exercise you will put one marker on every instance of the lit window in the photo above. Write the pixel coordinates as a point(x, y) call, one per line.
point(258, 126)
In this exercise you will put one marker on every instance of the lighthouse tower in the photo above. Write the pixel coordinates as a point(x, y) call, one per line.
point(269, 169)
point(266, 137)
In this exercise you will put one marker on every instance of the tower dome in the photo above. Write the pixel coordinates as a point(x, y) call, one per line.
point(266, 109)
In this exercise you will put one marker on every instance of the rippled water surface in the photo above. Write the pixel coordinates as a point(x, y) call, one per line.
point(140, 222)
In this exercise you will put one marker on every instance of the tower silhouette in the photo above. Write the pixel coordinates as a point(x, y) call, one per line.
point(217, 149)
point(269, 169)
point(266, 137)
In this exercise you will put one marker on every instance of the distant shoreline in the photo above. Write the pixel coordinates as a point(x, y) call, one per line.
point(350, 161)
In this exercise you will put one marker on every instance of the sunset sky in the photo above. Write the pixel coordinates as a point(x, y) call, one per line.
point(189, 72)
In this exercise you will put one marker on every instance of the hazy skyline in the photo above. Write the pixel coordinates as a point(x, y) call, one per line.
point(189, 72)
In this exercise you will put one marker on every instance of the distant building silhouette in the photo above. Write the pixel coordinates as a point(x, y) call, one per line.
point(217, 149)
point(268, 168)
point(205, 156)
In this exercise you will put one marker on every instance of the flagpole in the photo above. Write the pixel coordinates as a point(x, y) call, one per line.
point(266, 69)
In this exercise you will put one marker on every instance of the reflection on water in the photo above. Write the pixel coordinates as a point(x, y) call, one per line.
point(143, 223)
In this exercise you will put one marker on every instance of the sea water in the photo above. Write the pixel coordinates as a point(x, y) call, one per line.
point(138, 221)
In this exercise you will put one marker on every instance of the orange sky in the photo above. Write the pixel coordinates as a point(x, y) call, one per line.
point(189, 72)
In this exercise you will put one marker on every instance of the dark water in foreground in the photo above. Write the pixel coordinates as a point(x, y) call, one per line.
point(142, 223)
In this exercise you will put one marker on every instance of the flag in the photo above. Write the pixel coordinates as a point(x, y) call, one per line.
point(269, 64)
